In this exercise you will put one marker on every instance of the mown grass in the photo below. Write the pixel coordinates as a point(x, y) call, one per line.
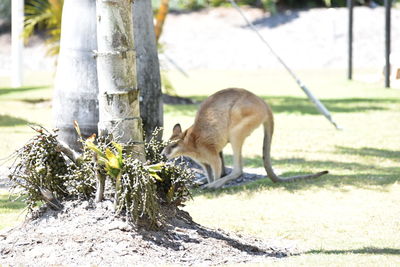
point(11, 211)
point(20, 107)
point(346, 218)
point(349, 217)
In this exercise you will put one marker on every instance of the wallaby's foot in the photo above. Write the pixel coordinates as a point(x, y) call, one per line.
point(220, 182)
point(214, 185)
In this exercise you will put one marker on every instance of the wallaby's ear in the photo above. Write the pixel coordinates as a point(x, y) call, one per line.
point(177, 129)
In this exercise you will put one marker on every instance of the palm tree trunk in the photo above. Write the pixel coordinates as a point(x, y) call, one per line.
point(76, 87)
point(116, 66)
point(148, 68)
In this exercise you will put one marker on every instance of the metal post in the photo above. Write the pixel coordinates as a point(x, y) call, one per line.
point(350, 6)
point(17, 42)
point(388, 4)
point(320, 107)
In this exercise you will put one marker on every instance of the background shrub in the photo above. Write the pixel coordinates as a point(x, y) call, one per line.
point(5, 15)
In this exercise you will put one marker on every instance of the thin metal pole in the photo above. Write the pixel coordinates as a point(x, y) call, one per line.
point(388, 4)
point(17, 43)
point(350, 6)
point(320, 107)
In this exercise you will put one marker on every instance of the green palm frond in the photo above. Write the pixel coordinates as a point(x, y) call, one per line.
point(44, 14)
point(328, 3)
point(31, 21)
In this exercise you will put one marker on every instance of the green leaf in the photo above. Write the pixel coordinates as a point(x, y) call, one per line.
point(114, 163)
point(118, 147)
point(89, 144)
point(156, 176)
point(109, 154)
point(44, 14)
point(113, 160)
point(107, 166)
point(156, 167)
point(114, 172)
point(153, 169)
point(102, 161)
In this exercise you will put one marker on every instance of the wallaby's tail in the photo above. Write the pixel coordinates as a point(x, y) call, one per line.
point(268, 131)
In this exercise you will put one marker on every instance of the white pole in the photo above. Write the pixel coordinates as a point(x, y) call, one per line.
point(17, 42)
point(320, 107)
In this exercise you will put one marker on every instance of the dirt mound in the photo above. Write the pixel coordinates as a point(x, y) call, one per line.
point(85, 233)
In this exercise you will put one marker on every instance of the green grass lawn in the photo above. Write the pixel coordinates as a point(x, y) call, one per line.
point(349, 217)
point(11, 211)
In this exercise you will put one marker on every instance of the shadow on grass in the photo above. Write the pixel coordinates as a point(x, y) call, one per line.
point(341, 174)
point(369, 151)
point(277, 19)
point(257, 161)
point(35, 100)
point(4, 91)
point(9, 121)
point(349, 105)
point(301, 105)
point(365, 250)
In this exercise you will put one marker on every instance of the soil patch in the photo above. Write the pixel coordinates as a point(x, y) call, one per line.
point(85, 233)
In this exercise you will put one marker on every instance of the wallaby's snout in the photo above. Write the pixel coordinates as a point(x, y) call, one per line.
point(170, 150)
point(166, 152)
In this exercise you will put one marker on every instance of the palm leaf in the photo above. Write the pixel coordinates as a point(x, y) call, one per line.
point(154, 169)
point(44, 14)
point(118, 147)
point(32, 21)
point(113, 161)
point(89, 144)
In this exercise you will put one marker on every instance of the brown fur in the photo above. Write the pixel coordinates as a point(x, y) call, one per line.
point(228, 116)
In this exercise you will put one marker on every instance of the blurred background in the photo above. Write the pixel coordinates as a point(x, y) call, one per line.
point(201, 35)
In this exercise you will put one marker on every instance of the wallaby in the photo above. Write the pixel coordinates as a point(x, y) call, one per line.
point(229, 115)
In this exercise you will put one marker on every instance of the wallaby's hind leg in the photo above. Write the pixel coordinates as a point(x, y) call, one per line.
point(223, 171)
point(213, 168)
point(208, 172)
point(237, 136)
point(237, 166)
point(237, 140)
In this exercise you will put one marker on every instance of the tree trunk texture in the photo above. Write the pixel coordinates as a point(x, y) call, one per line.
point(116, 66)
point(76, 87)
point(148, 68)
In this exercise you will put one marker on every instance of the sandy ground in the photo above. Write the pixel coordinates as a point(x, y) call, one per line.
point(316, 38)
